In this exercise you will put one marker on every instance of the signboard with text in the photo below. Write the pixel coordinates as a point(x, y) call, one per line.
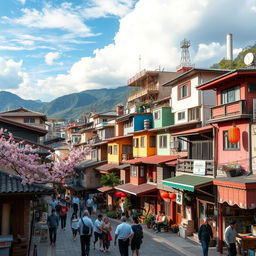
point(179, 198)
point(199, 167)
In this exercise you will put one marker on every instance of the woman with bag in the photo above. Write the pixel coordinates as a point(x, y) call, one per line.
point(106, 228)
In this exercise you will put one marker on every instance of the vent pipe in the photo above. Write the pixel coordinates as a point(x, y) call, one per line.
point(229, 47)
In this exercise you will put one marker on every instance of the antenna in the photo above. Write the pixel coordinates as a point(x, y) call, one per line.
point(185, 56)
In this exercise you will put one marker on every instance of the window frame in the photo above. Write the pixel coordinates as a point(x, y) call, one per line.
point(188, 84)
point(110, 150)
point(142, 142)
point(135, 142)
point(142, 171)
point(157, 114)
point(27, 120)
point(196, 112)
point(162, 142)
point(152, 141)
point(225, 94)
point(134, 170)
point(181, 112)
point(228, 144)
point(115, 149)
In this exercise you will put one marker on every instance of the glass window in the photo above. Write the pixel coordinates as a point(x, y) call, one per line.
point(29, 120)
point(182, 145)
point(230, 95)
point(142, 142)
point(193, 114)
point(157, 115)
point(142, 171)
point(136, 143)
point(134, 171)
point(227, 145)
point(110, 150)
point(115, 150)
point(183, 91)
point(127, 149)
point(181, 115)
point(152, 140)
point(163, 141)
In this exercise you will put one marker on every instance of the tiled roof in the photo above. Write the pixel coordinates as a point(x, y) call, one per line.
point(22, 112)
point(107, 167)
point(12, 185)
point(136, 189)
point(105, 189)
point(156, 159)
point(118, 138)
point(194, 131)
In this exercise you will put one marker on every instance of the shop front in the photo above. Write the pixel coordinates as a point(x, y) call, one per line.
point(237, 201)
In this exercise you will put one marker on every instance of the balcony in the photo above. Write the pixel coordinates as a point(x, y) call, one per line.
point(187, 166)
point(150, 90)
point(227, 111)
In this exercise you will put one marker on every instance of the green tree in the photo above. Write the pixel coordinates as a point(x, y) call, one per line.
point(110, 180)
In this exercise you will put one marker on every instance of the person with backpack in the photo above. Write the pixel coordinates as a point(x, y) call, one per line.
point(137, 237)
point(85, 230)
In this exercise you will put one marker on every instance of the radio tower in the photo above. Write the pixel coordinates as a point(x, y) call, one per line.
point(185, 62)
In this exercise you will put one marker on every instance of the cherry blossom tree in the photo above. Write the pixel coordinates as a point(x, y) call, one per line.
point(24, 160)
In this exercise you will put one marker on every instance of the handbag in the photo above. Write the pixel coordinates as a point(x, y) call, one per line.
point(109, 237)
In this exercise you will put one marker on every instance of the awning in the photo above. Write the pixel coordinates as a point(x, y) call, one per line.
point(107, 167)
point(156, 159)
point(238, 191)
point(195, 131)
point(123, 166)
point(187, 182)
point(105, 189)
point(136, 189)
point(118, 138)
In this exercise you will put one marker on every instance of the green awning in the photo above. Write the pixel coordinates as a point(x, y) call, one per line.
point(187, 182)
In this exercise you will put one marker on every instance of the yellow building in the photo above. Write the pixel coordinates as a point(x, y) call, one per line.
point(144, 144)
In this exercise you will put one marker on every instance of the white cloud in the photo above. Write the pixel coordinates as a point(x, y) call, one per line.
point(50, 57)
point(22, 1)
point(103, 8)
point(11, 74)
point(63, 17)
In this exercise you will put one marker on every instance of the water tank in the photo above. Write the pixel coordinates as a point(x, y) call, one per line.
point(146, 124)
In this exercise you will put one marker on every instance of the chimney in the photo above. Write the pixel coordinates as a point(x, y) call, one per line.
point(119, 110)
point(229, 47)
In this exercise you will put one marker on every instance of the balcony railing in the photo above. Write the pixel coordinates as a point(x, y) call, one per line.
point(229, 110)
point(187, 166)
point(152, 89)
point(126, 157)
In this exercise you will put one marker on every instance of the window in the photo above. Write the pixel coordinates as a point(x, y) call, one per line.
point(128, 123)
point(115, 150)
point(142, 171)
point(181, 115)
point(252, 87)
point(127, 149)
point(94, 154)
point(110, 150)
point(152, 141)
point(183, 91)
point(182, 145)
point(134, 171)
point(29, 120)
point(142, 142)
point(230, 95)
point(163, 141)
point(227, 145)
point(193, 114)
point(157, 115)
point(104, 120)
point(136, 143)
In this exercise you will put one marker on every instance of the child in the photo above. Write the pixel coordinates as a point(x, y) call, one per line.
point(74, 225)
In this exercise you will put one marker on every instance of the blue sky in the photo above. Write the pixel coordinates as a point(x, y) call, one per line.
point(53, 47)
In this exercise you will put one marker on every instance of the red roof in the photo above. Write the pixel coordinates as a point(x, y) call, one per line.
point(196, 130)
point(107, 167)
point(136, 189)
point(105, 189)
point(118, 138)
point(156, 159)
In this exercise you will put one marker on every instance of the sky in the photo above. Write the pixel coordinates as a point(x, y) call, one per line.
point(50, 48)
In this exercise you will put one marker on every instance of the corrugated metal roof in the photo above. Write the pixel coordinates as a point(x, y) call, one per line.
point(107, 167)
point(12, 185)
point(136, 189)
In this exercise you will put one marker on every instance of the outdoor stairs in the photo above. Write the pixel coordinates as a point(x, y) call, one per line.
point(194, 238)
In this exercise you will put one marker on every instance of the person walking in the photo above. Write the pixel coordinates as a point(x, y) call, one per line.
point(53, 204)
point(85, 230)
point(53, 223)
point(137, 237)
point(89, 205)
point(123, 233)
point(75, 202)
point(63, 216)
point(98, 231)
point(205, 235)
point(74, 225)
point(81, 206)
point(230, 235)
point(106, 235)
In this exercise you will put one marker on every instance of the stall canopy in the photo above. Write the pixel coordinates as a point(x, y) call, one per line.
point(237, 190)
point(136, 189)
point(187, 182)
point(152, 159)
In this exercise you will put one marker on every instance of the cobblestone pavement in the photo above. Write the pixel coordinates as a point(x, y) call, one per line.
point(65, 246)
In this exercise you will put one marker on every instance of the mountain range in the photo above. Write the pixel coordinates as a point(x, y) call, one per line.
point(69, 106)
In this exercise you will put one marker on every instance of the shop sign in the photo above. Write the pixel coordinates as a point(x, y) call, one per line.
point(199, 167)
point(179, 198)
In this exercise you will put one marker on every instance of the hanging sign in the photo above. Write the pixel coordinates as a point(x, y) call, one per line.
point(179, 198)
point(199, 167)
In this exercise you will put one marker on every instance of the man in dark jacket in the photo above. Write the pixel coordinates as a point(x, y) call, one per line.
point(53, 222)
point(205, 235)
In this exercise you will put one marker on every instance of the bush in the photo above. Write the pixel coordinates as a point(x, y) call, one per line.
point(111, 214)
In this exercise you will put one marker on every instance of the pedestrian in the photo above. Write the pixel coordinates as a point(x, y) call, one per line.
point(230, 238)
point(63, 216)
point(98, 231)
point(123, 233)
point(53, 222)
point(75, 202)
point(137, 237)
point(122, 205)
point(89, 205)
point(85, 230)
point(94, 206)
point(57, 208)
point(82, 206)
point(205, 235)
point(74, 225)
point(106, 235)
point(53, 204)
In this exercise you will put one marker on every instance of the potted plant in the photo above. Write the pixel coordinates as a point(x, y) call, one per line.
point(231, 169)
point(149, 220)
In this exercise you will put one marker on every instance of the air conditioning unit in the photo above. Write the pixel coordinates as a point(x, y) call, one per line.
point(175, 145)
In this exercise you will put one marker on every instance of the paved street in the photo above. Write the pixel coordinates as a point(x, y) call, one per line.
point(66, 246)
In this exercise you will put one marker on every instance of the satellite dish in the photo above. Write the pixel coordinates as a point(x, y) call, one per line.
point(248, 59)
